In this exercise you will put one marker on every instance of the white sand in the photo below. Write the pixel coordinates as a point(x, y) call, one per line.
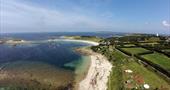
point(97, 75)
point(74, 40)
point(99, 70)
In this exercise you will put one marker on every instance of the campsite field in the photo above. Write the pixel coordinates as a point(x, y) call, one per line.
point(143, 75)
point(159, 59)
point(135, 50)
point(137, 79)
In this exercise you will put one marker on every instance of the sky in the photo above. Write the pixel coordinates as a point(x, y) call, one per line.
point(137, 16)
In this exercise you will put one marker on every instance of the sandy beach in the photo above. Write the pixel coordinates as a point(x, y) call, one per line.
point(99, 70)
point(83, 41)
point(98, 73)
point(74, 40)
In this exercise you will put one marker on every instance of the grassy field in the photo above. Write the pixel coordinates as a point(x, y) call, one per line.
point(159, 59)
point(135, 50)
point(127, 45)
point(146, 76)
point(153, 43)
point(118, 77)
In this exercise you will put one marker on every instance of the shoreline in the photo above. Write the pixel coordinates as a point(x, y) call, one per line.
point(74, 40)
point(80, 76)
point(98, 72)
point(96, 77)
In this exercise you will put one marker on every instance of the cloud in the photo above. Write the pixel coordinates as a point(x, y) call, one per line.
point(20, 15)
point(165, 23)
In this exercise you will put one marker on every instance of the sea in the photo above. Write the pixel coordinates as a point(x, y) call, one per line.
point(43, 65)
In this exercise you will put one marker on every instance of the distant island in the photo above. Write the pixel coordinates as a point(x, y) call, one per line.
point(12, 41)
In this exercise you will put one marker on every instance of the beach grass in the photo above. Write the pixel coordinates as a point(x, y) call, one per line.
point(116, 76)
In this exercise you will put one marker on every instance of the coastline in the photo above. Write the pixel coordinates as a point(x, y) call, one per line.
point(80, 75)
point(74, 40)
point(98, 72)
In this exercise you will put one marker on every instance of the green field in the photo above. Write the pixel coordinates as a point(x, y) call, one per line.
point(118, 76)
point(135, 50)
point(128, 45)
point(159, 59)
point(148, 77)
point(153, 43)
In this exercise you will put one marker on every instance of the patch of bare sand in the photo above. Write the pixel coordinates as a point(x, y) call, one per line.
point(99, 71)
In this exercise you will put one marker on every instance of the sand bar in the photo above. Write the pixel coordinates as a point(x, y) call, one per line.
point(74, 40)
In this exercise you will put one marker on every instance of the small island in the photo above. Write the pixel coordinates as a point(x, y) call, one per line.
point(15, 41)
point(12, 41)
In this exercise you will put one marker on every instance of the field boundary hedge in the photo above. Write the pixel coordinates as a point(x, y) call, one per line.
point(119, 48)
point(138, 56)
point(130, 54)
point(156, 66)
point(153, 49)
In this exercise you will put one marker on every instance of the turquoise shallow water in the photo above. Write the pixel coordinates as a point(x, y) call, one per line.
point(46, 65)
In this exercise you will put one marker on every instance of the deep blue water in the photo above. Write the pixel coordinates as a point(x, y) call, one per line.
point(39, 57)
point(42, 36)
point(54, 60)
point(54, 53)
